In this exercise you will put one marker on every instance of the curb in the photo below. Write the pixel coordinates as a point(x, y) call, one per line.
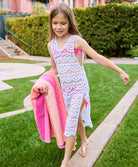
point(101, 136)
point(8, 114)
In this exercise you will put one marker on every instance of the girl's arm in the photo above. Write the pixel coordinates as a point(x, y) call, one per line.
point(83, 45)
point(53, 65)
point(53, 69)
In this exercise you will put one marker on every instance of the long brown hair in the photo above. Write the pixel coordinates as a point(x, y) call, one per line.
point(66, 10)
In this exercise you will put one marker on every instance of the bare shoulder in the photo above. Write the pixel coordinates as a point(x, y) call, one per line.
point(79, 43)
point(49, 45)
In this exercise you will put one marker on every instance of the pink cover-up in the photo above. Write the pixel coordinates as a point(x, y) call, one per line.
point(49, 110)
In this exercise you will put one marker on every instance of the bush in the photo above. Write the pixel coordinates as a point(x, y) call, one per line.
point(38, 9)
point(2, 12)
point(34, 31)
point(133, 52)
point(109, 29)
point(116, 1)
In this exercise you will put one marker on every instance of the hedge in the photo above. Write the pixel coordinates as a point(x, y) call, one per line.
point(33, 30)
point(110, 29)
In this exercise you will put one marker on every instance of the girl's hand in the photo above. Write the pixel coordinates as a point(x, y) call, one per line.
point(43, 90)
point(125, 77)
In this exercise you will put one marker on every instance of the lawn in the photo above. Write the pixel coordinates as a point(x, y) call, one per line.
point(12, 99)
point(19, 138)
point(122, 150)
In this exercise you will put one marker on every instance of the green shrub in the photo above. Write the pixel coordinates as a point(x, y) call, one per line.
point(116, 1)
point(2, 12)
point(34, 31)
point(38, 9)
point(133, 52)
point(109, 29)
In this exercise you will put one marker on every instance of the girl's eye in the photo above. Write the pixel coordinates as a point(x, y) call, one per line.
point(54, 23)
point(63, 23)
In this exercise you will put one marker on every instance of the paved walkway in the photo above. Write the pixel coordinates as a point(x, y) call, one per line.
point(102, 134)
point(17, 70)
point(47, 60)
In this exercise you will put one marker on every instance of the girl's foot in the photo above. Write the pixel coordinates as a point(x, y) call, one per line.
point(83, 148)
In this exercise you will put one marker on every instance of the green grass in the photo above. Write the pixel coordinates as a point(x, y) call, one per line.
point(19, 138)
point(12, 99)
point(102, 82)
point(106, 89)
point(122, 150)
point(21, 145)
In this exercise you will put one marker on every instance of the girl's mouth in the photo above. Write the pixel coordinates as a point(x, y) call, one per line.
point(59, 32)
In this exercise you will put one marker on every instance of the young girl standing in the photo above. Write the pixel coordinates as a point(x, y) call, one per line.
point(67, 48)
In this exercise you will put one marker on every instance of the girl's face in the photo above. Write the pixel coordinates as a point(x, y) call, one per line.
point(60, 25)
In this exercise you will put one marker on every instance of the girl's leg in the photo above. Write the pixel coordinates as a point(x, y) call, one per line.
point(70, 142)
point(81, 131)
point(84, 140)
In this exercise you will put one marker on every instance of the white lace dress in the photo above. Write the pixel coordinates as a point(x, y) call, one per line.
point(74, 84)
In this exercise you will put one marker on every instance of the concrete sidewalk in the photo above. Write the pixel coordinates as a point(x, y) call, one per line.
point(17, 70)
point(47, 59)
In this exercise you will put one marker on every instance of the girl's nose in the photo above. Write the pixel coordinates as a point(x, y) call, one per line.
point(58, 26)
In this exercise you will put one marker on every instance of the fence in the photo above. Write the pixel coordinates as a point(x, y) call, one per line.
point(2, 30)
point(4, 16)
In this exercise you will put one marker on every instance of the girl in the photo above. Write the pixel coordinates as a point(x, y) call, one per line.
point(67, 48)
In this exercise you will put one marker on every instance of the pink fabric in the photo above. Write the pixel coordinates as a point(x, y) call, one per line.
point(42, 118)
point(86, 103)
point(49, 110)
point(77, 51)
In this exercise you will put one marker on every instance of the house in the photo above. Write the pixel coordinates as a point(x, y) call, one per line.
point(24, 6)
